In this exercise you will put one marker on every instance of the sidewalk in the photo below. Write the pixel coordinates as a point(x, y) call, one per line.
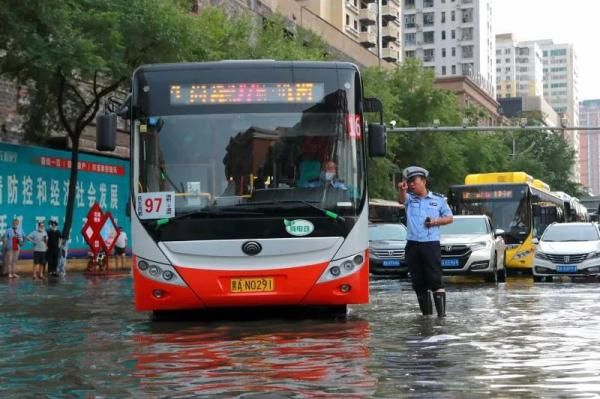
point(25, 267)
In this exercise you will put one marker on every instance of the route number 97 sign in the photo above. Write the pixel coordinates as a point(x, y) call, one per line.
point(157, 205)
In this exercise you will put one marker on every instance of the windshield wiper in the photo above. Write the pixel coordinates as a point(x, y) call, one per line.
point(326, 212)
point(205, 212)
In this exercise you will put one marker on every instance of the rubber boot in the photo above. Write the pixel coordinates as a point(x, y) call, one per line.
point(439, 298)
point(425, 303)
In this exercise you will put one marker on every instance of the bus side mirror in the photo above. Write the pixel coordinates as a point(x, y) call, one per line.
point(106, 131)
point(377, 140)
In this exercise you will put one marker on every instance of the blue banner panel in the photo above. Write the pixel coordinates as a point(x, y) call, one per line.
point(34, 183)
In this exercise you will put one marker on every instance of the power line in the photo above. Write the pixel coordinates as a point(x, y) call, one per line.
point(445, 129)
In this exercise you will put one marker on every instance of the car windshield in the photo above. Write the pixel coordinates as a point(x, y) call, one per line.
point(465, 226)
point(392, 232)
point(571, 233)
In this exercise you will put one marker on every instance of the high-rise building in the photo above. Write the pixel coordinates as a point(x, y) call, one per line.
point(452, 37)
point(589, 150)
point(519, 68)
point(561, 77)
point(373, 23)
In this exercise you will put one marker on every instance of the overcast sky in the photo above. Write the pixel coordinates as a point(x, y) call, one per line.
point(564, 21)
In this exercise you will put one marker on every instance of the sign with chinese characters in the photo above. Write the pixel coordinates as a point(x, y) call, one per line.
point(34, 185)
point(157, 205)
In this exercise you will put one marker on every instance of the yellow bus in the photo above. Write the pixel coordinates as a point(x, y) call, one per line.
point(517, 203)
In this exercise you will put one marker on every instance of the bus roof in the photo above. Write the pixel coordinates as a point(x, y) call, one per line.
point(498, 177)
point(236, 64)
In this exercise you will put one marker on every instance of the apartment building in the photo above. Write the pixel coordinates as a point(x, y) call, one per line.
point(452, 37)
point(375, 24)
point(589, 150)
point(519, 68)
point(561, 81)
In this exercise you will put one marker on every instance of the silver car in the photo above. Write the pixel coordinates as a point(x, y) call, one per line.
point(470, 245)
point(567, 249)
point(387, 242)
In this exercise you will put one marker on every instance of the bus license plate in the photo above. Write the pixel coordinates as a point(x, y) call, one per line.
point(566, 268)
point(449, 262)
point(260, 284)
point(392, 263)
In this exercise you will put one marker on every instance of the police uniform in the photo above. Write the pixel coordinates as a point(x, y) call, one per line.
point(423, 252)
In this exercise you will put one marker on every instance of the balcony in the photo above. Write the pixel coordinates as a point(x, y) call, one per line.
point(389, 13)
point(368, 39)
point(351, 6)
point(368, 16)
point(389, 54)
point(390, 32)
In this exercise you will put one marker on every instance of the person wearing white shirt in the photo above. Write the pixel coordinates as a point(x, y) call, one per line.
point(120, 249)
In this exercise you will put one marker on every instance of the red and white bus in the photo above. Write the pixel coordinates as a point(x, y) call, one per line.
point(230, 205)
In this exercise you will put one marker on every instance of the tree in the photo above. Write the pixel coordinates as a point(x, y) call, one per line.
point(72, 54)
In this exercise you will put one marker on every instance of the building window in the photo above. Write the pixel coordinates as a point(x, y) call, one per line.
point(443, 69)
point(409, 4)
point(443, 35)
point(453, 66)
point(443, 17)
point(428, 19)
point(428, 37)
point(467, 15)
point(409, 54)
point(428, 55)
point(444, 53)
point(453, 51)
point(452, 16)
point(453, 32)
point(467, 51)
point(410, 38)
point(347, 19)
point(427, 3)
point(409, 21)
point(355, 25)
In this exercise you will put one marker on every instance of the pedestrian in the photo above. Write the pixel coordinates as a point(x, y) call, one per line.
point(425, 212)
point(13, 241)
point(53, 253)
point(39, 238)
point(120, 249)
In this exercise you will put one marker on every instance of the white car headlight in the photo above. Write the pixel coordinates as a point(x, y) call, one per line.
point(476, 246)
point(594, 254)
point(540, 255)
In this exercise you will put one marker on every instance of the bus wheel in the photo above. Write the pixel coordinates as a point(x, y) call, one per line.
point(337, 310)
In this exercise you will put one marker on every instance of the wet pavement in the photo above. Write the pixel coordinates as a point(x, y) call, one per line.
point(81, 338)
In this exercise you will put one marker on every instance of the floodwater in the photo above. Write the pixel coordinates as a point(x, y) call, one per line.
point(81, 338)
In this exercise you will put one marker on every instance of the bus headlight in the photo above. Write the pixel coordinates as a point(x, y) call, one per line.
point(160, 272)
point(342, 267)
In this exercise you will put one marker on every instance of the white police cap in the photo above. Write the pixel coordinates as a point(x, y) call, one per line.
point(413, 171)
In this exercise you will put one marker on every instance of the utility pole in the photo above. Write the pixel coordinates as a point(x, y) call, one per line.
point(379, 27)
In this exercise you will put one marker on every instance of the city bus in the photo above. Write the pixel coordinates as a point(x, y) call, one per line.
point(574, 209)
point(518, 204)
point(231, 204)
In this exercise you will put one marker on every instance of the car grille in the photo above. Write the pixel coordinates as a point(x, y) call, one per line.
point(576, 258)
point(455, 250)
point(388, 254)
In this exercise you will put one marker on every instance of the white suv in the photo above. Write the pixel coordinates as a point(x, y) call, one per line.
point(567, 249)
point(470, 245)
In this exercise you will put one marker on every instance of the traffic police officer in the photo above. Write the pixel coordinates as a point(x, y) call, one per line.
point(425, 212)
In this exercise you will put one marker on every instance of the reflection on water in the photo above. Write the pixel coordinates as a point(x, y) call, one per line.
point(81, 338)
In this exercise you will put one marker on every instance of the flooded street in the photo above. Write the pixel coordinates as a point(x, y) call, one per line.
point(81, 338)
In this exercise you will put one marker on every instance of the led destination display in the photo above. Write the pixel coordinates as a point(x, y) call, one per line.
point(246, 93)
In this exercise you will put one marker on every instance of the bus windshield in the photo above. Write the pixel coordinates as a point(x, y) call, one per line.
point(262, 157)
point(508, 207)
